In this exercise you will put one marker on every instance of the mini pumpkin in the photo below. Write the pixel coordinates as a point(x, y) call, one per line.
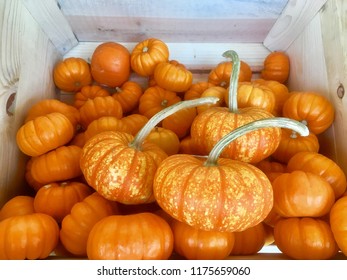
point(71, 74)
point(276, 67)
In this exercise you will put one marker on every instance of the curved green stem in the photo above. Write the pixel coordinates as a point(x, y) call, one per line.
point(234, 78)
point(157, 118)
point(258, 124)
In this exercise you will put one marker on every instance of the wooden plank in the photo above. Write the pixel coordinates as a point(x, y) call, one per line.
point(293, 20)
point(27, 57)
point(172, 21)
point(53, 23)
point(334, 41)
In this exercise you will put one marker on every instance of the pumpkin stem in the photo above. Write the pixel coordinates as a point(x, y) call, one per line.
point(258, 124)
point(234, 77)
point(157, 118)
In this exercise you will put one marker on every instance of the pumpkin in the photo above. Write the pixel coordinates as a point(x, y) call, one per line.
point(154, 99)
point(305, 238)
point(110, 64)
point(280, 92)
point(17, 205)
point(249, 241)
point(338, 223)
point(220, 74)
point(180, 122)
point(187, 146)
point(128, 95)
point(99, 107)
point(76, 226)
point(44, 133)
point(47, 106)
point(134, 122)
point(30, 236)
point(173, 76)
point(57, 165)
point(211, 125)
point(142, 236)
point(166, 139)
point(71, 74)
point(216, 91)
point(302, 194)
point(311, 108)
point(120, 166)
point(215, 193)
point(276, 67)
point(292, 143)
point(106, 123)
point(88, 92)
point(251, 94)
point(196, 89)
point(321, 165)
point(195, 244)
point(147, 54)
point(29, 178)
point(57, 199)
point(78, 140)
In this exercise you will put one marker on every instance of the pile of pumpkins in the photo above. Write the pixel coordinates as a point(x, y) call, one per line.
point(212, 169)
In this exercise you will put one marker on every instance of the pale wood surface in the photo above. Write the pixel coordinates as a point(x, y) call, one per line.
point(293, 20)
point(172, 21)
point(27, 58)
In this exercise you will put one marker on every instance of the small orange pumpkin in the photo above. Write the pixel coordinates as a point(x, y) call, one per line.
point(128, 95)
point(173, 76)
point(276, 67)
point(110, 64)
point(44, 134)
point(17, 205)
point(88, 92)
point(147, 54)
point(57, 199)
point(71, 74)
point(165, 139)
point(30, 236)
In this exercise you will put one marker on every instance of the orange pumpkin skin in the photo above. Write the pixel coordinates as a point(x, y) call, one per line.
point(134, 122)
point(305, 238)
point(196, 244)
point(128, 95)
point(211, 125)
point(302, 194)
point(143, 236)
point(292, 143)
point(120, 172)
point(196, 89)
point(147, 54)
point(106, 123)
point(338, 223)
point(88, 92)
point(100, 107)
point(212, 197)
point(276, 67)
point(314, 109)
point(220, 74)
point(321, 165)
point(31, 236)
point(110, 64)
point(71, 74)
point(250, 94)
point(216, 91)
point(154, 99)
point(47, 106)
point(44, 133)
point(180, 122)
point(280, 91)
point(173, 76)
point(17, 205)
point(249, 241)
point(75, 226)
point(58, 165)
point(57, 199)
point(166, 139)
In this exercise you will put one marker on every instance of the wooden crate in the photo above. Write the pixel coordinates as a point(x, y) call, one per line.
point(36, 34)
